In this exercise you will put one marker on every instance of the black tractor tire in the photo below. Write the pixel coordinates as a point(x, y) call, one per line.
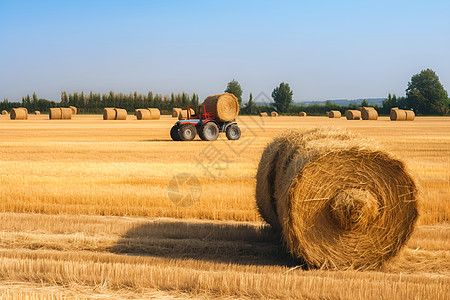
point(187, 132)
point(174, 133)
point(233, 132)
point(209, 132)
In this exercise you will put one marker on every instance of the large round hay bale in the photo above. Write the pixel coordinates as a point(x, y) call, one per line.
point(334, 114)
point(121, 114)
point(263, 114)
point(302, 114)
point(55, 114)
point(398, 115)
point(20, 113)
point(74, 110)
point(66, 113)
point(36, 112)
point(155, 114)
point(225, 106)
point(353, 114)
point(274, 114)
point(176, 112)
point(4, 112)
point(143, 114)
point(369, 113)
point(327, 114)
point(182, 115)
point(339, 201)
point(109, 113)
point(394, 108)
point(410, 115)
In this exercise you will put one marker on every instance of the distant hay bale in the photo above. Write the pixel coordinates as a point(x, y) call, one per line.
point(36, 112)
point(20, 113)
point(121, 114)
point(410, 115)
point(369, 113)
point(74, 110)
point(334, 114)
point(338, 200)
point(327, 114)
point(353, 114)
point(263, 114)
point(274, 114)
point(143, 114)
point(55, 114)
point(176, 112)
point(155, 114)
point(182, 115)
point(109, 113)
point(302, 114)
point(4, 112)
point(225, 106)
point(398, 115)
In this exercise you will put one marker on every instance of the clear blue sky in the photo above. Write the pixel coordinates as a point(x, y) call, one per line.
point(323, 49)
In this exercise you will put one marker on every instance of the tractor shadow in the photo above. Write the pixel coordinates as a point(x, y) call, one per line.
point(243, 244)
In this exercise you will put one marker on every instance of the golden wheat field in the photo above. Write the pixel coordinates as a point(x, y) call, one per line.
point(89, 209)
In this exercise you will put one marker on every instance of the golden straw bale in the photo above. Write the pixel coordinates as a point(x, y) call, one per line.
point(143, 114)
point(66, 113)
point(274, 114)
point(398, 115)
point(109, 113)
point(394, 108)
point(74, 110)
point(36, 112)
point(338, 200)
point(302, 114)
point(121, 114)
point(225, 106)
point(55, 113)
point(19, 114)
point(155, 114)
point(353, 114)
point(334, 114)
point(263, 114)
point(176, 112)
point(4, 112)
point(182, 115)
point(369, 113)
point(410, 115)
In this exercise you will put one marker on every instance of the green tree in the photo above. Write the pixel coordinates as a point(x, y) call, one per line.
point(234, 88)
point(425, 93)
point(250, 107)
point(282, 96)
point(365, 103)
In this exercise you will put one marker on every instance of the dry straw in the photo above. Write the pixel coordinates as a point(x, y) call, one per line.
point(339, 201)
point(369, 113)
point(302, 114)
point(334, 114)
point(155, 114)
point(66, 113)
point(327, 114)
point(20, 113)
point(398, 115)
point(143, 114)
point(182, 115)
point(109, 113)
point(60, 113)
point(36, 112)
point(353, 114)
point(225, 106)
point(274, 114)
point(4, 112)
point(263, 114)
point(176, 112)
point(410, 115)
point(121, 114)
point(74, 110)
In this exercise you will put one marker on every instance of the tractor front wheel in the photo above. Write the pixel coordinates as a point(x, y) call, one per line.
point(174, 133)
point(209, 132)
point(233, 132)
point(187, 132)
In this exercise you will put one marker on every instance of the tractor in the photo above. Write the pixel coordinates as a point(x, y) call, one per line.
point(202, 120)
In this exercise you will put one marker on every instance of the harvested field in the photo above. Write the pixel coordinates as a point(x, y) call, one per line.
point(118, 234)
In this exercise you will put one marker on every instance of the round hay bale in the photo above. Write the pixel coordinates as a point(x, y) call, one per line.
point(74, 110)
point(155, 114)
point(109, 113)
point(19, 114)
point(176, 112)
point(36, 112)
point(225, 106)
point(274, 114)
point(182, 115)
point(302, 114)
point(143, 114)
point(327, 114)
point(263, 114)
point(334, 114)
point(353, 114)
point(359, 108)
point(369, 113)
point(341, 201)
point(394, 108)
point(4, 112)
point(66, 113)
point(410, 115)
point(55, 114)
point(121, 114)
point(398, 115)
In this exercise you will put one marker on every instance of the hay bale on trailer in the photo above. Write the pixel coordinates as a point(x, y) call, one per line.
point(20, 113)
point(353, 114)
point(263, 114)
point(397, 115)
point(143, 114)
point(225, 106)
point(109, 113)
point(155, 114)
point(176, 112)
point(302, 114)
point(338, 200)
point(4, 112)
point(74, 110)
point(334, 114)
point(410, 115)
point(369, 113)
point(274, 114)
point(183, 114)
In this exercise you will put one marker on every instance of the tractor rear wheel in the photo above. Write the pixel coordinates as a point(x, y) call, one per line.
point(233, 132)
point(187, 132)
point(209, 132)
point(174, 133)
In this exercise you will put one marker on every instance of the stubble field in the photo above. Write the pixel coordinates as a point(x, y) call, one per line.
point(85, 212)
